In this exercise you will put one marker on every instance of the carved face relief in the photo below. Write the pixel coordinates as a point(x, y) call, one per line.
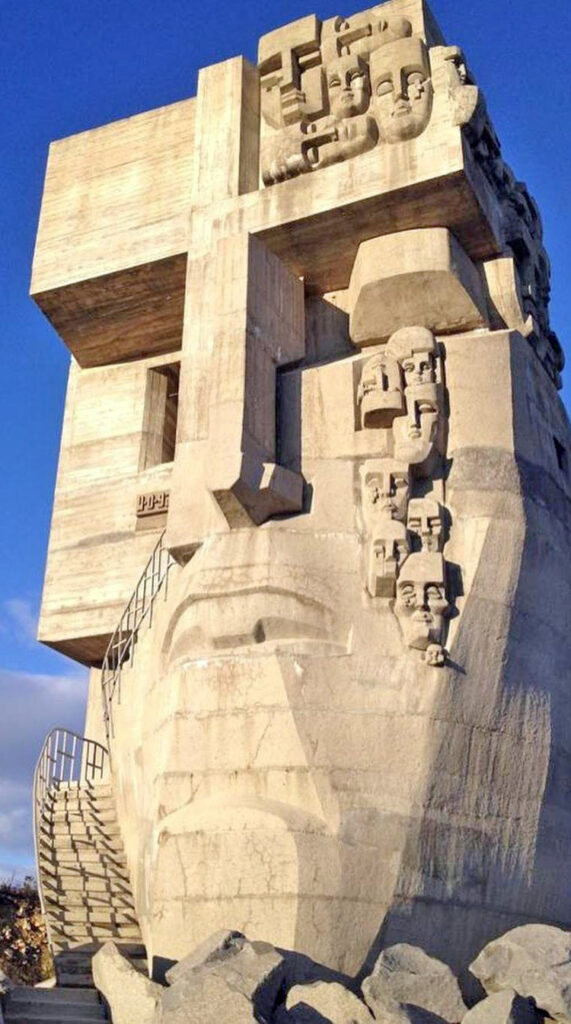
point(385, 490)
point(380, 394)
point(348, 86)
point(419, 368)
point(401, 89)
point(387, 552)
point(421, 603)
point(425, 520)
point(416, 433)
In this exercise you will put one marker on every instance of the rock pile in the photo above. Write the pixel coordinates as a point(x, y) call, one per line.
point(229, 979)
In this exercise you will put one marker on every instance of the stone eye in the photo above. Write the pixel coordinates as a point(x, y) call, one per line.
point(408, 365)
point(415, 78)
point(384, 88)
point(334, 82)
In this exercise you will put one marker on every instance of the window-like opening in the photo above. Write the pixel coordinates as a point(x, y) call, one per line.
point(561, 455)
point(161, 412)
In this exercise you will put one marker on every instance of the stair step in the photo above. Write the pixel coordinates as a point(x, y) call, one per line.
point(57, 1009)
point(79, 982)
point(105, 842)
point(87, 856)
point(82, 954)
point(43, 1017)
point(75, 933)
point(87, 815)
point(93, 915)
point(41, 995)
point(91, 871)
point(95, 900)
point(79, 827)
point(88, 885)
point(63, 789)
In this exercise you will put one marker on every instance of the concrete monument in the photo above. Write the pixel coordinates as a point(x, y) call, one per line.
point(313, 371)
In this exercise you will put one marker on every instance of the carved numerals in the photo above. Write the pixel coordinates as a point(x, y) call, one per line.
point(400, 391)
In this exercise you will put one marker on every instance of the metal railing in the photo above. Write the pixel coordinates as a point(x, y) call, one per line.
point(66, 758)
point(121, 647)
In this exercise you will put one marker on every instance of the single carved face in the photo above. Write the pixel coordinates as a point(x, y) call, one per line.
point(348, 86)
point(421, 412)
point(425, 520)
point(421, 603)
point(419, 368)
point(416, 435)
point(401, 89)
point(386, 554)
point(380, 393)
point(386, 489)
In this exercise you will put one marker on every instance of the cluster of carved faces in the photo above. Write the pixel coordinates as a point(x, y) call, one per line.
point(521, 221)
point(373, 86)
point(400, 392)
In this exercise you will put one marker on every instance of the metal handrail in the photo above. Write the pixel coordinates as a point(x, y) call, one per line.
point(121, 646)
point(66, 758)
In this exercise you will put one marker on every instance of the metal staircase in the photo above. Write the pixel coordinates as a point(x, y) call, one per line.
point(83, 877)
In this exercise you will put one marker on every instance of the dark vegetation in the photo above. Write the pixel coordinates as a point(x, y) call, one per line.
point(24, 953)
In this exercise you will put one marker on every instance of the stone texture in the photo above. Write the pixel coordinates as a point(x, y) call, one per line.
point(132, 997)
point(535, 960)
point(504, 1008)
point(227, 978)
point(332, 1001)
point(414, 277)
point(406, 974)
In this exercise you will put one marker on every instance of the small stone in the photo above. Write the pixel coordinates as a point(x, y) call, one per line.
point(535, 960)
point(335, 1004)
point(131, 996)
point(408, 976)
point(504, 1008)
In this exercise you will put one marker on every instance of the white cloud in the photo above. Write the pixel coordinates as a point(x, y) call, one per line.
point(20, 619)
point(31, 704)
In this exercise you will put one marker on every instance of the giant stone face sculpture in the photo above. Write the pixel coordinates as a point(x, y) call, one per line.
point(345, 721)
point(402, 90)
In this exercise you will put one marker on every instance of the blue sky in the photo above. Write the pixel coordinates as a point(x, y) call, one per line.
point(69, 65)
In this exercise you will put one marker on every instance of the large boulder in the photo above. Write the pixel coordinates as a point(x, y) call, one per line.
point(407, 975)
point(230, 978)
point(333, 1002)
point(227, 978)
point(132, 997)
point(535, 960)
point(504, 1008)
